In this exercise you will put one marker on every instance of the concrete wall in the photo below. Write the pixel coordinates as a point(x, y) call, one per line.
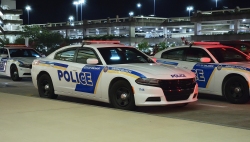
point(11, 3)
point(221, 37)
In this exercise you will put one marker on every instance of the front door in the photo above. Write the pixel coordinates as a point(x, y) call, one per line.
point(203, 71)
point(87, 84)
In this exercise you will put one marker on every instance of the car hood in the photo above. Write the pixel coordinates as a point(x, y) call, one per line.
point(154, 70)
point(24, 60)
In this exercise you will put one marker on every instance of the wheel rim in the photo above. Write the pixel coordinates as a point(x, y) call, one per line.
point(45, 88)
point(14, 73)
point(236, 90)
point(123, 96)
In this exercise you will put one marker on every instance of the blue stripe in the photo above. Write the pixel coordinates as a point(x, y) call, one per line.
point(127, 71)
point(167, 62)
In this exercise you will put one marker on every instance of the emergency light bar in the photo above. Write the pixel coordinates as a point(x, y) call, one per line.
point(101, 42)
point(206, 43)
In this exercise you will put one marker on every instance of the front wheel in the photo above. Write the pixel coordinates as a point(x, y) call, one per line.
point(122, 96)
point(236, 90)
point(45, 87)
point(14, 73)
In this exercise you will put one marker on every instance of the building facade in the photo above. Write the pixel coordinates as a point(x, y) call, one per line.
point(10, 22)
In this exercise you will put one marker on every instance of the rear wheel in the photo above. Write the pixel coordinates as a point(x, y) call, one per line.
point(122, 96)
point(236, 90)
point(45, 87)
point(14, 73)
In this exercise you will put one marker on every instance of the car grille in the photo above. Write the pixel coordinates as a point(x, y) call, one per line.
point(178, 89)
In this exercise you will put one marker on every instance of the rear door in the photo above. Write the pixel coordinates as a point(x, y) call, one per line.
point(203, 71)
point(61, 71)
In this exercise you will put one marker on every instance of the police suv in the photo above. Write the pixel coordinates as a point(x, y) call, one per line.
point(220, 70)
point(108, 71)
point(16, 60)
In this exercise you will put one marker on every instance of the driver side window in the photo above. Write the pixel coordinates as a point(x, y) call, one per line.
point(84, 54)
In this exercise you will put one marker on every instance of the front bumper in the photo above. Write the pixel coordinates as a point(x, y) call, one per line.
point(154, 96)
point(24, 72)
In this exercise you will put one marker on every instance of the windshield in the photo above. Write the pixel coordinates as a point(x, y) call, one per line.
point(228, 55)
point(23, 53)
point(123, 55)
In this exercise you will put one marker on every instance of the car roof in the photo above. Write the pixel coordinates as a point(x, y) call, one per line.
point(17, 47)
point(202, 46)
point(97, 45)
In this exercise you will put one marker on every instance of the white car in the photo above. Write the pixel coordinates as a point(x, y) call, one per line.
point(16, 61)
point(220, 70)
point(114, 73)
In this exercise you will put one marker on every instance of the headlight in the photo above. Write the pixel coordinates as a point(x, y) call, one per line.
point(25, 65)
point(148, 81)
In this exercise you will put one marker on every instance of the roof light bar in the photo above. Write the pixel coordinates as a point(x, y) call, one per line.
point(101, 42)
point(206, 43)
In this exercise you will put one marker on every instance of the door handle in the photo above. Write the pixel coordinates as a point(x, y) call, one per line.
point(52, 65)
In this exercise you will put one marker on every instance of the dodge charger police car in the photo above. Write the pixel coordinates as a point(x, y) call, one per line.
point(16, 60)
point(220, 70)
point(110, 72)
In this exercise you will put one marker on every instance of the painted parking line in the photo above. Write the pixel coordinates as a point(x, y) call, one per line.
point(219, 106)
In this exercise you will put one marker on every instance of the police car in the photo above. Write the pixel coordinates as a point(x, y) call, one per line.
point(108, 71)
point(16, 60)
point(220, 70)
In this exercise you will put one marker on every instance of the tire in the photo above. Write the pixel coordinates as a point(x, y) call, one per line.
point(14, 73)
point(45, 87)
point(236, 90)
point(121, 95)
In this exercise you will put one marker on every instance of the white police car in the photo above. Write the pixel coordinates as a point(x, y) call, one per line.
point(16, 60)
point(113, 73)
point(220, 70)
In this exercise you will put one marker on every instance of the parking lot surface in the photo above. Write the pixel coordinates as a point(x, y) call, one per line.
point(208, 109)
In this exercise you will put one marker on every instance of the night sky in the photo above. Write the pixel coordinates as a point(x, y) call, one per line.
point(53, 11)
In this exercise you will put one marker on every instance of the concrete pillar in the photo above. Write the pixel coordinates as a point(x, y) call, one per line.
point(165, 31)
point(183, 30)
point(197, 28)
point(27, 42)
point(85, 32)
point(231, 27)
point(132, 31)
point(236, 26)
point(109, 31)
point(67, 33)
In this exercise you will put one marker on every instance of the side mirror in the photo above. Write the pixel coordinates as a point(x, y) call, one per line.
point(4, 55)
point(205, 60)
point(92, 61)
point(43, 56)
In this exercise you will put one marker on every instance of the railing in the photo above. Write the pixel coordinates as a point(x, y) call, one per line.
point(115, 20)
point(237, 9)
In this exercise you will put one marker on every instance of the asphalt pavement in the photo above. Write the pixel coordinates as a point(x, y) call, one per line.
point(208, 109)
